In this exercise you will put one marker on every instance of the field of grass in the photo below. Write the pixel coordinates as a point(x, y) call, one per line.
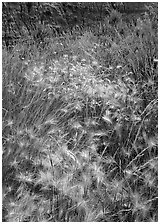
point(80, 124)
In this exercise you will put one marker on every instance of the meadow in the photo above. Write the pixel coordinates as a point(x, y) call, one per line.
point(80, 113)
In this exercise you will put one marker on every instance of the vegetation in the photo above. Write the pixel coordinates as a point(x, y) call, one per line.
point(80, 112)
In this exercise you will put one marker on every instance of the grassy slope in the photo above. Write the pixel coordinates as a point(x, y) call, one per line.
point(80, 126)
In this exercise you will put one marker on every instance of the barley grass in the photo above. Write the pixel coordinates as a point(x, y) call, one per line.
point(80, 127)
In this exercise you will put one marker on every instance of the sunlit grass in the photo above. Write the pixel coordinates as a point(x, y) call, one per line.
point(79, 136)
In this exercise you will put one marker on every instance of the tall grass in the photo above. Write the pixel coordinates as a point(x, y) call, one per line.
point(80, 127)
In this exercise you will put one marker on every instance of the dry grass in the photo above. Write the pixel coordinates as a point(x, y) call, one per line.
point(79, 136)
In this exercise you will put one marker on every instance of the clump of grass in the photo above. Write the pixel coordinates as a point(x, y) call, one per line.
point(79, 136)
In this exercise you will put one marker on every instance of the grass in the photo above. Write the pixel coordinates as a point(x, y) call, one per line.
point(80, 127)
